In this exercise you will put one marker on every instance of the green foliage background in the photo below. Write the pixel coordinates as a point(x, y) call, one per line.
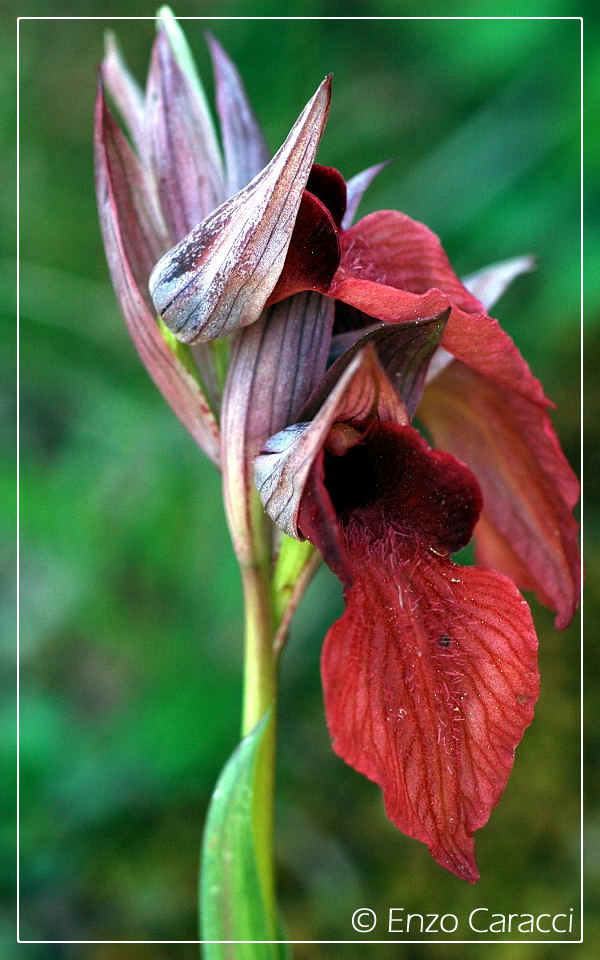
point(131, 611)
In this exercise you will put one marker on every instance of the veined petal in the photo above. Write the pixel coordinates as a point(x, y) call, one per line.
point(489, 283)
point(246, 152)
point(430, 681)
point(356, 187)
point(125, 92)
point(181, 144)
point(282, 468)
point(430, 676)
point(221, 275)
point(128, 231)
point(526, 530)
point(274, 366)
point(393, 249)
point(476, 339)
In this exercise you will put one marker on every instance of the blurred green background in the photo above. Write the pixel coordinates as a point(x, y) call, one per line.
point(131, 611)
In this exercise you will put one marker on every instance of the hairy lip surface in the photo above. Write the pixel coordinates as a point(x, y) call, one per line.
point(430, 675)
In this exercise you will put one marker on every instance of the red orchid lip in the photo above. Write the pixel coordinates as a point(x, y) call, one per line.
point(385, 483)
point(430, 676)
point(380, 480)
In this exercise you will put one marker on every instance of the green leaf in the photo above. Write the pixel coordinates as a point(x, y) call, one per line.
point(233, 903)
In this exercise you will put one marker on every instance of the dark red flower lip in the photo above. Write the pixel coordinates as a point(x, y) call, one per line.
point(380, 483)
point(430, 676)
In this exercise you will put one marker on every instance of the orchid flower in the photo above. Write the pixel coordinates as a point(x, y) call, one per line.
point(297, 348)
point(430, 676)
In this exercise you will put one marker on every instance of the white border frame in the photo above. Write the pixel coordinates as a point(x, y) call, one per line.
point(363, 940)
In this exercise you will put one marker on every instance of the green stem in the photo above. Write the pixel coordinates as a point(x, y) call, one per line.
point(260, 696)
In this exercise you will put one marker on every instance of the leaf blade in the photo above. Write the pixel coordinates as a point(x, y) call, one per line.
point(233, 904)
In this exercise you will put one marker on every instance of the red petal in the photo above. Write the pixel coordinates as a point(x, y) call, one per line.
point(476, 339)
point(430, 676)
point(430, 680)
point(529, 489)
point(393, 249)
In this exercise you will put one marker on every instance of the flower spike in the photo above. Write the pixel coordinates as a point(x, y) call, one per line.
point(342, 333)
point(221, 275)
